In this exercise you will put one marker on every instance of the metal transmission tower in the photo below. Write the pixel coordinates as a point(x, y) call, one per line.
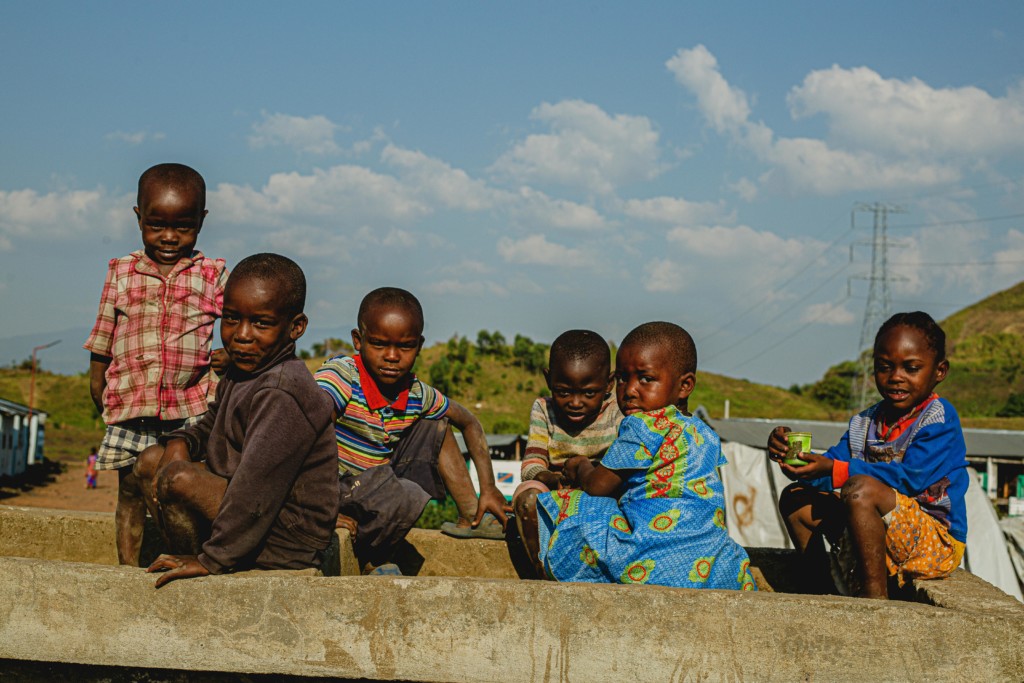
point(877, 310)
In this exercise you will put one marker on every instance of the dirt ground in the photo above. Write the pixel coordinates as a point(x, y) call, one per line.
point(61, 484)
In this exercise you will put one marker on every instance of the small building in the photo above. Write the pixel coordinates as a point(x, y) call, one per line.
point(21, 437)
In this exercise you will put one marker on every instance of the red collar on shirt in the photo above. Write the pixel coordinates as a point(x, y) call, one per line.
point(375, 400)
point(891, 433)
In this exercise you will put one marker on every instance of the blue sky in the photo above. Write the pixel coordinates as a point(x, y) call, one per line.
point(530, 167)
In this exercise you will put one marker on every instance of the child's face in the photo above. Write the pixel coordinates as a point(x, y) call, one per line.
point(906, 370)
point(578, 389)
point(170, 220)
point(389, 342)
point(645, 379)
point(254, 327)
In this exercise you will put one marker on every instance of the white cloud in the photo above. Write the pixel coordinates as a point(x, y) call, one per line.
point(745, 188)
point(827, 314)
point(586, 148)
point(438, 182)
point(812, 165)
point(910, 117)
point(341, 195)
point(535, 208)
point(28, 215)
point(664, 275)
point(535, 249)
point(133, 138)
point(724, 106)
point(465, 266)
point(393, 238)
point(720, 243)
point(674, 210)
point(311, 134)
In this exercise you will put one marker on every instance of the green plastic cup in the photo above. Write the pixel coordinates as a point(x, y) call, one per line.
point(799, 443)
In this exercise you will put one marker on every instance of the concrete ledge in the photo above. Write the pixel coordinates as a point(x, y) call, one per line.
point(448, 629)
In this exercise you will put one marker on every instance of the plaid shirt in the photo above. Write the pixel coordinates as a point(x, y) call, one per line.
point(157, 330)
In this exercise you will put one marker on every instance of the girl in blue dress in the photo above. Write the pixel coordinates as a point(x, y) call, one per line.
point(653, 510)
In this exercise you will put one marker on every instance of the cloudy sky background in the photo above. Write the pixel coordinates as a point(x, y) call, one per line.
point(529, 167)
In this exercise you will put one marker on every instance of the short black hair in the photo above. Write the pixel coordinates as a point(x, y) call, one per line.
point(673, 337)
point(919, 320)
point(177, 176)
point(390, 297)
point(580, 345)
point(276, 268)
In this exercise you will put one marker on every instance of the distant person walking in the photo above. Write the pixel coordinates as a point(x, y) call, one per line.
point(90, 469)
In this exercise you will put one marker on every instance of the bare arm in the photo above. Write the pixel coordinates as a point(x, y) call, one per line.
point(595, 480)
point(98, 378)
point(491, 499)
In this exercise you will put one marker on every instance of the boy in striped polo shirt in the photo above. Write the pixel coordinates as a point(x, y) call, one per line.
point(396, 449)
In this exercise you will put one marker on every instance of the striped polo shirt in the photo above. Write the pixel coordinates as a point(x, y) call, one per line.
point(369, 427)
point(550, 445)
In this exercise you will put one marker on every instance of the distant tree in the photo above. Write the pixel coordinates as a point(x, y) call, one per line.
point(1014, 406)
point(484, 342)
point(528, 354)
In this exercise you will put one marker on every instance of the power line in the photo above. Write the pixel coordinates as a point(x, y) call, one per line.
point(785, 283)
point(961, 264)
point(791, 334)
point(796, 303)
point(966, 221)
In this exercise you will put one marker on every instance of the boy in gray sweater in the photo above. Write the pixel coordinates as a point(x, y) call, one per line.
point(254, 484)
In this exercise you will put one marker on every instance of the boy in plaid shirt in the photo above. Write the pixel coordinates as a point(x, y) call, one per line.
point(151, 344)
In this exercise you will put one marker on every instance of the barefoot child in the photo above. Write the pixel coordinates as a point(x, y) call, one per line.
point(395, 447)
point(580, 417)
point(652, 511)
point(254, 484)
point(150, 346)
point(90, 469)
point(900, 472)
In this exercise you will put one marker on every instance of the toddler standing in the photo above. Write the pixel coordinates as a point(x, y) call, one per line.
point(150, 346)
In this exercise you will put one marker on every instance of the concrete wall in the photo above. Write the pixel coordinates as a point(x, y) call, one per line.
point(470, 629)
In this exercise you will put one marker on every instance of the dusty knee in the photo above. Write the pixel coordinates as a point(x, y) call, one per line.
point(174, 481)
point(146, 464)
point(525, 503)
point(861, 489)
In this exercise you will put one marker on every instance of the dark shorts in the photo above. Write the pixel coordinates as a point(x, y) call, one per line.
point(281, 550)
point(387, 500)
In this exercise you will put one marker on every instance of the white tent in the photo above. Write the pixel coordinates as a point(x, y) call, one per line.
point(753, 485)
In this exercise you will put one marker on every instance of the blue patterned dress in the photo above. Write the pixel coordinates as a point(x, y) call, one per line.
point(668, 528)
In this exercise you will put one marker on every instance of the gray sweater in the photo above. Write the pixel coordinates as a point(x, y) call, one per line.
point(271, 435)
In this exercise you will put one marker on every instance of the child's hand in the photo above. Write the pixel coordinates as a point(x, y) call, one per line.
point(817, 466)
point(219, 361)
point(491, 501)
point(550, 479)
point(575, 467)
point(777, 444)
point(348, 523)
point(177, 567)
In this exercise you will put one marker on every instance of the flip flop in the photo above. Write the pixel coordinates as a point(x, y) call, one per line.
point(489, 528)
point(389, 569)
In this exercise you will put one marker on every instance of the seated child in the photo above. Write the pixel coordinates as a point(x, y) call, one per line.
point(900, 471)
point(254, 484)
point(652, 511)
point(581, 416)
point(150, 347)
point(395, 448)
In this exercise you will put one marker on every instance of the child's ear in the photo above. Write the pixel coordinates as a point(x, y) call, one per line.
point(547, 377)
point(941, 370)
point(420, 347)
point(611, 384)
point(298, 326)
point(686, 384)
point(356, 340)
point(138, 215)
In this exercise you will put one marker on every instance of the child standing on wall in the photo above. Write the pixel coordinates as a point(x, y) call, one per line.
point(151, 344)
point(653, 510)
point(890, 495)
point(581, 417)
point(396, 450)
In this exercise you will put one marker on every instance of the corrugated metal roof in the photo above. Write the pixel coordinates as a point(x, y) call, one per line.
point(1000, 443)
point(12, 408)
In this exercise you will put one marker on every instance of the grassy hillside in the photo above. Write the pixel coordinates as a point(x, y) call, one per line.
point(73, 424)
point(985, 344)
